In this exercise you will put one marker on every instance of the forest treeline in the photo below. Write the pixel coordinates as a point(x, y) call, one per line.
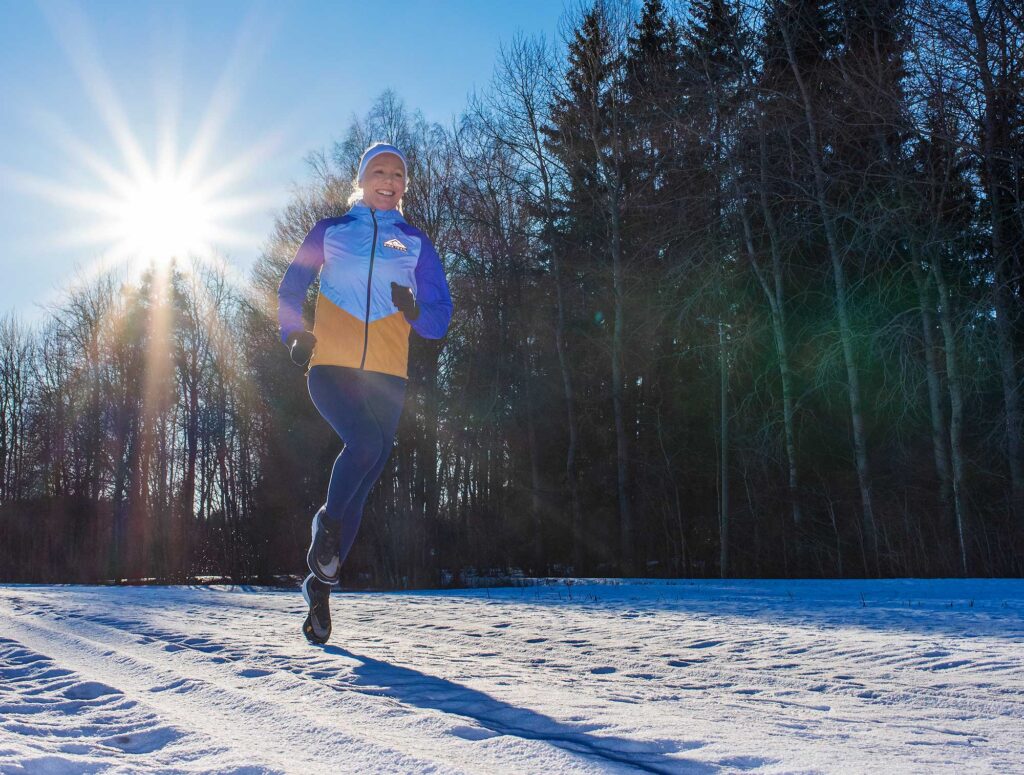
point(737, 292)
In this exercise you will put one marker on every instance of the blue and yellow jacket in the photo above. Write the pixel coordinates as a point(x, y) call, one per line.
point(358, 256)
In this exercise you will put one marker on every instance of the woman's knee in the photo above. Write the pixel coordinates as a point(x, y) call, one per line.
point(365, 451)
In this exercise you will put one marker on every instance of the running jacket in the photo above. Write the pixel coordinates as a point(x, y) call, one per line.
point(358, 256)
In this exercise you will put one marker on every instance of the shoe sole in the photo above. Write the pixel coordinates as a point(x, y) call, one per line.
point(311, 560)
point(305, 595)
point(305, 592)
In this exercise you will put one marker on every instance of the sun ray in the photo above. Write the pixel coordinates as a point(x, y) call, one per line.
point(236, 206)
point(74, 32)
point(103, 235)
point(167, 88)
point(76, 150)
point(151, 206)
point(60, 194)
point(234, 170)
point(252, 39)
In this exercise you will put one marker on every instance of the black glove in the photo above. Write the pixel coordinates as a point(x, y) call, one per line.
point(300, 347)
point(401, 297)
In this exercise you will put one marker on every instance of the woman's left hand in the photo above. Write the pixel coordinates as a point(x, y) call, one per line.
point(401, 297)
point(300, 347)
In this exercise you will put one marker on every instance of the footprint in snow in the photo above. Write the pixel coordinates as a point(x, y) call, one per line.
point(472, 733)
point(146, 741)
point(602, 670)
point(89, 690)
point(746, 762)
point(202, 644)
point(705, 644)
point(948, 665)
point(58, 765)
point(253, 672)
point(684, 662)
point(179, 686)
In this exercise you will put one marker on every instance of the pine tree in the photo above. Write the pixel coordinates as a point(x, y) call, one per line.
point(588, 134)
point(654, 98)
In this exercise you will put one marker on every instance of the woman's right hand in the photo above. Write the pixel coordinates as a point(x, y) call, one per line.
point(300, 347)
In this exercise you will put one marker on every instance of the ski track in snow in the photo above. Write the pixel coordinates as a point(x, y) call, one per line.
point(645, 676)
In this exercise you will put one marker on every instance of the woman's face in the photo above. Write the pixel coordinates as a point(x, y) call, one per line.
point(383, 182)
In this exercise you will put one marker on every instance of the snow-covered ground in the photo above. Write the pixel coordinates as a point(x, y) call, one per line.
point(764, 676)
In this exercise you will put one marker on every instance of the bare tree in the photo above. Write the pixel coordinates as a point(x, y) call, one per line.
point(17, 354)
point(835, 254)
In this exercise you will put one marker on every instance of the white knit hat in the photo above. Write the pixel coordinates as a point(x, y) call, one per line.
point(376, 150)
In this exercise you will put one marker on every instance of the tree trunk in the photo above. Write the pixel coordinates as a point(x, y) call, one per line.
point(940, 433)
point(995, 139)
point(579, 547)
point(723, 515)
point(775, 294)
point(626, 550)
point(536, 524)
point(956, 413)
point(860, 442)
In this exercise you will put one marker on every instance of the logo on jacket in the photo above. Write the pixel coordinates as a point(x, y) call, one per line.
point(395, 244)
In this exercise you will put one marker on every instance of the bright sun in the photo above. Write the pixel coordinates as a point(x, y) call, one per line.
point(143, 203)
point(141, 211)
point(162, 219)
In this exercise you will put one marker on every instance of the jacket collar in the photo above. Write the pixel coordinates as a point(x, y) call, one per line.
point(360, 210)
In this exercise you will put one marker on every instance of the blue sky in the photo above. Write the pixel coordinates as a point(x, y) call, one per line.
point(266, 82)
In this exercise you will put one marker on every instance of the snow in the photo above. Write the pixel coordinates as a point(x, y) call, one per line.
point(584, 676)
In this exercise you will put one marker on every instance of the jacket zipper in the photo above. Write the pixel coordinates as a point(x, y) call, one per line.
point(369, 291)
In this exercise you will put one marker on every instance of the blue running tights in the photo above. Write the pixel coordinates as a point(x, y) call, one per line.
point(363, 408)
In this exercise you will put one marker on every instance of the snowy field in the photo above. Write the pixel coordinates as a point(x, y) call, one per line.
point(739, 676)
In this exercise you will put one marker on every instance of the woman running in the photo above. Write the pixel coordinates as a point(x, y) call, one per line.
point(379, 277)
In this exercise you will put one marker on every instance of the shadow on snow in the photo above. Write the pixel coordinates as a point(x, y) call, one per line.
point(411, 687)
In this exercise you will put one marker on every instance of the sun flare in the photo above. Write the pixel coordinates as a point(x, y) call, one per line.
point(162, 219)
point(141, 210)
point(132, 199)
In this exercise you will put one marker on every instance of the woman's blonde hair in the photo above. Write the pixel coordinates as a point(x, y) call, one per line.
point(357, 193)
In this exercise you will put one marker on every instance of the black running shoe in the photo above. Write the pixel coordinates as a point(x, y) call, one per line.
point(317, 627)
point(322, 557)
